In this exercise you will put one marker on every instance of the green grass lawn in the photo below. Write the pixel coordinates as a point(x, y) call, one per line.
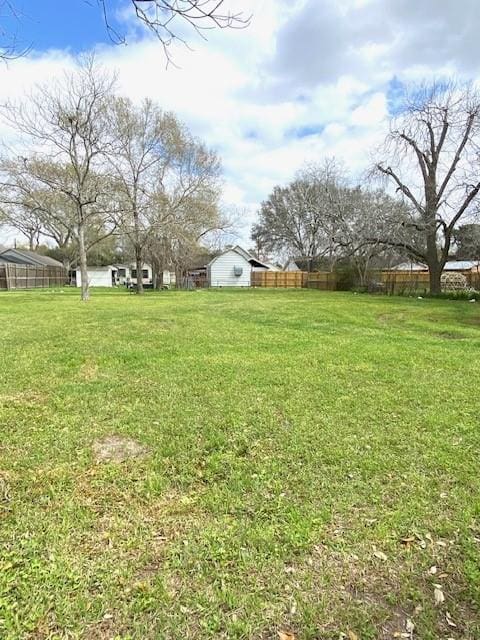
point(312, 467)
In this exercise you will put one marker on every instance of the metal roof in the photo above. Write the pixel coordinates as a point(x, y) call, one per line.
point(450, 265)
point(23, 256)
point(460, 265)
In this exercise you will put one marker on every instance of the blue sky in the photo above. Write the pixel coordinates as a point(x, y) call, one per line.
point(75, 25)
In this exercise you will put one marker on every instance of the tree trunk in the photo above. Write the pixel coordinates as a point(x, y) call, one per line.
point(362, 274)
point(434, 266)
point(139, 265)
point(435, 274)
point(85, 293)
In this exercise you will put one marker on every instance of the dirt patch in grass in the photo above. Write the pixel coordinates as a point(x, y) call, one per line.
point(390, 318)
point(5, 492)
point(117, 449)
point(88, 371)
point(475, 321)
point(451, 335)
point(26, 398)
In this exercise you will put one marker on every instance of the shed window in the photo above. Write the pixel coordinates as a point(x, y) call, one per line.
point(122, 273)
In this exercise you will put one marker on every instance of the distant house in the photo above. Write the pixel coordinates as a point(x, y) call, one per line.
point(22, 256)
point(450, 265)
point(233, 268)
point(22, 269)
point(118, 275)
point(127, 273)
point(409, 266)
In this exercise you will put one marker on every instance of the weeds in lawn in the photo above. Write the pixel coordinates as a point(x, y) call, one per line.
point(311, 466)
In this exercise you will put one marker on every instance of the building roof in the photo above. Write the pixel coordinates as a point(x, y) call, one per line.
point(247, 256)
point(450, 265)
point(23, 256)
point(410, 266)
point(103, 267)
point(461, 265)
point(272, 267)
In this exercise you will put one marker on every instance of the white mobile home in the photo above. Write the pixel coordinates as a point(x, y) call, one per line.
point(127, 274)
point(233, 268)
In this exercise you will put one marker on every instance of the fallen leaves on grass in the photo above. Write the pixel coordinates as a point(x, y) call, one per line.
point(438, 594)
point(286, 635)
point(449, 620)
point(409, 626)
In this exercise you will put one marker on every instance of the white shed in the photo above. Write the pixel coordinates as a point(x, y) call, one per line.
point(97, 276)
point(233, 268)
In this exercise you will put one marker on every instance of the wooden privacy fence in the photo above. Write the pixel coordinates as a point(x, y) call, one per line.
point(279, 279)
point(405, 281)
point(391, 282)
point(323, 280)
point(419, 281)
point(22, 276)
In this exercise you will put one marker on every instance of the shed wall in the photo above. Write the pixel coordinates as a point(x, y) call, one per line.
point(96, 278)
point(221, 271)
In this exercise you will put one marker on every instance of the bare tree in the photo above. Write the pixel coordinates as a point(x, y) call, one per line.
point(27, 206)
point(431, 157)
point(10, 45)
point(166, 18)
point(21, 213)
point(66, 122)
point(191, 214)
point(144, 149)
point(166, 179)
point(297, 219)
point(361, 217)
point(353, 217)
point(33, 201)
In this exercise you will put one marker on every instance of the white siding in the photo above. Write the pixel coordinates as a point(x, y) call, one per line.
point(96, 277)
point(221, 270)
point(169, 277)
point(144, 280)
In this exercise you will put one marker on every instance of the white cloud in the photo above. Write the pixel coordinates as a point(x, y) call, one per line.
point(307, 79)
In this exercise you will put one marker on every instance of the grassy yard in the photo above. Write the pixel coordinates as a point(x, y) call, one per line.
point(311, 468)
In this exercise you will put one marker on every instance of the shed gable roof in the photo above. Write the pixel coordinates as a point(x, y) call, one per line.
point(244, 254)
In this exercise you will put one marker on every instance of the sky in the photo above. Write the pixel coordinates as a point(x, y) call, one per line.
point(308, 79)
